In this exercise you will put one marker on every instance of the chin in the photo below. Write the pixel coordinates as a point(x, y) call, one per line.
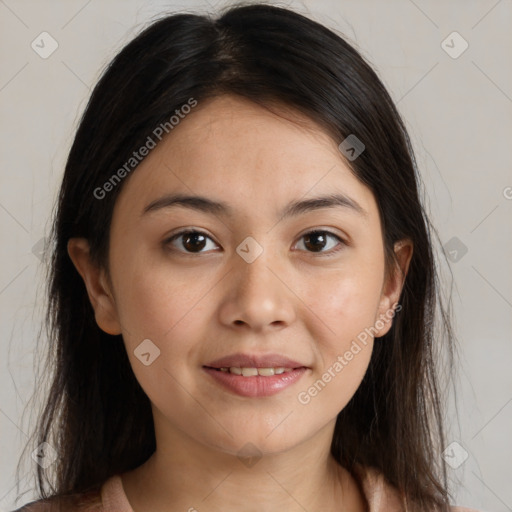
point(258, 442)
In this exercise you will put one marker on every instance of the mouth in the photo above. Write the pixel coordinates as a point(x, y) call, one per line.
point(255, 376)
point(261, 361)
point(253, 371)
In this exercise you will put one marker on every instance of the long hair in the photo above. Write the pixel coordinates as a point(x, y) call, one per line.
point(96, 414)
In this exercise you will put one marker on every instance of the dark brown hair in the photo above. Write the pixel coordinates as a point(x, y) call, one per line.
point(96, 414)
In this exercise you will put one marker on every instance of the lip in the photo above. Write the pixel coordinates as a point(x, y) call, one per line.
point(255, 361)
point(256, 386)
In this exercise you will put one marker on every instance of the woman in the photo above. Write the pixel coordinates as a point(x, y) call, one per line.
point(243, 289)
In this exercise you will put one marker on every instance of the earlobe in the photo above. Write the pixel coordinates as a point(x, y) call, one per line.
point(393, 287)
point(95, 281)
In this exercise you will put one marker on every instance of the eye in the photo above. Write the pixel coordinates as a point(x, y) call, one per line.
point(317, 240)
point(192, 241)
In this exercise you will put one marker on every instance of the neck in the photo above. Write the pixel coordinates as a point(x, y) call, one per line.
point(185, 475)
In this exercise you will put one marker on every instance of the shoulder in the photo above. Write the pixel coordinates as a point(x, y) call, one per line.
point(34, 506)
point(85, 502)
point(381, 495)
point(38, 506)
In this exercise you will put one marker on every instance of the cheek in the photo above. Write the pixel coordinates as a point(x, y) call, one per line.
point(344, 304)
point(166, 308)
point(343, 343)
point(328, 392)
point(172, 308)
point(155, 299)
point(345, 301)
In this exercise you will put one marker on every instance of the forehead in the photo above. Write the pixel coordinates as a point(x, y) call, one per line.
point(233, 150)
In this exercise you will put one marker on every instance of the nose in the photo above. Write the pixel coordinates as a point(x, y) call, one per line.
point(257, 296)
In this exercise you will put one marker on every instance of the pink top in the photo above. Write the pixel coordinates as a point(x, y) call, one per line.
point(381, 496)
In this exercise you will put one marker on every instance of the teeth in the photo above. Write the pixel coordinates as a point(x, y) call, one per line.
point(252, 372)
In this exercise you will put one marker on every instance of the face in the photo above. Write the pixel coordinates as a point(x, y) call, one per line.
point(263, 280)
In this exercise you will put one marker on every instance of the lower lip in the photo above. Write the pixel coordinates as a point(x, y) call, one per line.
point(258, 385)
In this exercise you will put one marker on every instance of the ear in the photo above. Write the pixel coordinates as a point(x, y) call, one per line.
point(392, 287)
point(97, 286)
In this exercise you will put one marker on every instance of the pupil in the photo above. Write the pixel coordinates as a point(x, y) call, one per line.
point(316, 236)
point(194, 238)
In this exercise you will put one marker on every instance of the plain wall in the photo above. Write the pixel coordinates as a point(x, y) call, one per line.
point(458, 112)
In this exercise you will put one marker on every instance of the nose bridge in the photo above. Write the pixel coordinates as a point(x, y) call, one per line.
point(255, 273)
point(257, 297)
point(253, 266)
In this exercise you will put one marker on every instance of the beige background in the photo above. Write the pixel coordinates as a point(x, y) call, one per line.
point(458, 112)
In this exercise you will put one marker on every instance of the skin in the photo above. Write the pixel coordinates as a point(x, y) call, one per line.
point(199, 306)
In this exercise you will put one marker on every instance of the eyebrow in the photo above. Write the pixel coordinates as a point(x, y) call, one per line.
point(206, 205)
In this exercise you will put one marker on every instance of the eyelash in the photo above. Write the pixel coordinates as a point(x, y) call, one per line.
point(331, 252)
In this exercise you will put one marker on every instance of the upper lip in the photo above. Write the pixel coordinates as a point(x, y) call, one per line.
point(254, 361)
